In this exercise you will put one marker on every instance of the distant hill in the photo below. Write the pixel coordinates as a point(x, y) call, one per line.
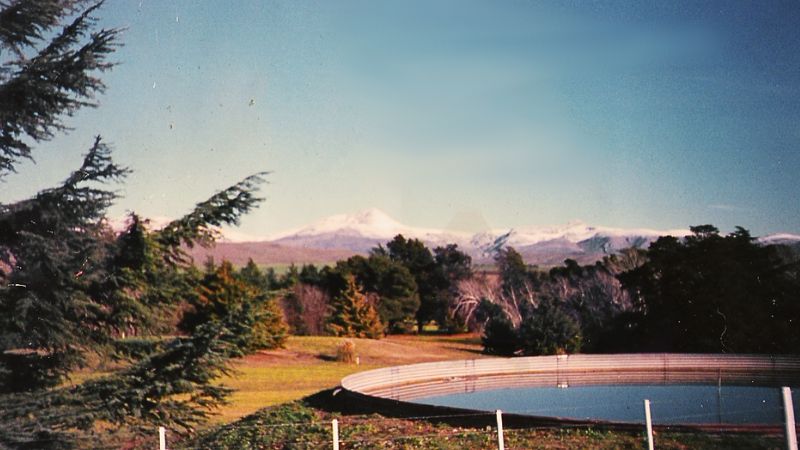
point(268, 253)
point(340, 236)
point(538, 245)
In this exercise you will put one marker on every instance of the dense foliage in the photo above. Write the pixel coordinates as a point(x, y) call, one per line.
point(390, 284)
point(702, 293)
point(714, 293)
point(223, 293)
point(390, 279)
point(549, 331)
point(52, 246)
point(532, 312)
point(434, 274)
point(352, 315)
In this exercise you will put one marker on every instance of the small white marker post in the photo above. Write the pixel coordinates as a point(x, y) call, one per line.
point(788, 413)
point(500, 442)
point(335, 427)
point(162, 438)
point(649, 423)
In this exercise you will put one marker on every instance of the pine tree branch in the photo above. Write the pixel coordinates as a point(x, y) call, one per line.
point(57, 81)
point(74, 204)
point(23, 22)
point(198, 227)
point(53, 241)
point(172, 387)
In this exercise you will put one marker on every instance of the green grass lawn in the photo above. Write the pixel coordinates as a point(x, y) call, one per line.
point(307, 366)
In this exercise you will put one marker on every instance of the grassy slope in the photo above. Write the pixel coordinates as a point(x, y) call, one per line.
point(306, 366)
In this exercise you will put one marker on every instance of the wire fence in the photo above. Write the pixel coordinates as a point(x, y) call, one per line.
point(361, 431)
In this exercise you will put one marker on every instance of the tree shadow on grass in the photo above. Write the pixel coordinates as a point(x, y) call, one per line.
point(338, 401)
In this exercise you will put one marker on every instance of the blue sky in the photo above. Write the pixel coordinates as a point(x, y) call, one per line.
point(629, 114)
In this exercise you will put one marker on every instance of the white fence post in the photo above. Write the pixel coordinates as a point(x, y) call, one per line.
point(162, 438)
point(788, 413)
point(500, 442)
point(649, 423)
point(335, 428)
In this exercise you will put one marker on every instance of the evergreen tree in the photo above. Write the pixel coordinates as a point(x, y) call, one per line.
point(72, 293)
point(138, 290)
point(452, 266)
point(513, 271)
point(543, 330)
point(499, 334)
point(220, 295)
point(53, 250)
point(172, 386)
point(49, 60)
point(254, 276)
point(413, 254)
point(49, 64)
point(352, 315)
point(310, 274)
point(389, 282)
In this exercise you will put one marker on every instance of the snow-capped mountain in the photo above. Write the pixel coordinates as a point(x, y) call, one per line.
point(368, 223)
point(365, 230)
point(780, 238)
point(337, 236)
point(361, 232)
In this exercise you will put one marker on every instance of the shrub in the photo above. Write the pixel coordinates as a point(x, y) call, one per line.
point(500, 336)
point(548, 330)
point(346, 352)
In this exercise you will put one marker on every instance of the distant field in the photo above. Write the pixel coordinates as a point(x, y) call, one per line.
point(283, 268)
point(267, 254)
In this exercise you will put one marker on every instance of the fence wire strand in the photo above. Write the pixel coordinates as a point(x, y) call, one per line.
point(351, 436)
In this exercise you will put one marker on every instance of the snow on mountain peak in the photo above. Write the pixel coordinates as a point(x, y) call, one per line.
point(375, 218)
point(780, 238)
point(370, 223)
point(376, 224)
point(365, 229)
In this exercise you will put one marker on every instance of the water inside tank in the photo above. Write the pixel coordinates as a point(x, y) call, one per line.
point(670, 404)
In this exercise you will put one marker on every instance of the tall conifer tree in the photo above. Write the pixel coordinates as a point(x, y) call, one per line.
point(69, 286)
point(352, 315)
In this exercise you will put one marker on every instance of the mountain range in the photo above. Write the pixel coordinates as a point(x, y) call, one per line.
point(339, 236)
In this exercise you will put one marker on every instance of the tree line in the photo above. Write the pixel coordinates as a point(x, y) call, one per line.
point(401, 287)
point(705, 292)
